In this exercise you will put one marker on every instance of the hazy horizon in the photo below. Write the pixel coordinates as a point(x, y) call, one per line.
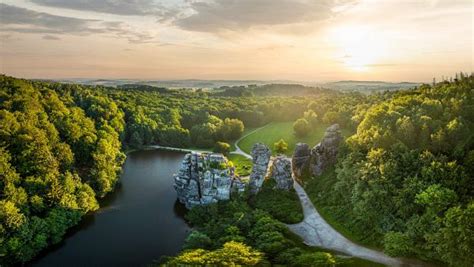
point(307, 41)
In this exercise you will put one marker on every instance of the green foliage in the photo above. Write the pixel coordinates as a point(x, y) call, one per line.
point(301, 127)
point(54, 148)
point(312, 118)
point(222, 147)
point(405, 182)
point(243, 165)
point(280, 147)
point(235, 220)
point(397, 244)
point(283, 130)
point(197, 239)
point(315, 259)
point(281, 204)
point(232, 253)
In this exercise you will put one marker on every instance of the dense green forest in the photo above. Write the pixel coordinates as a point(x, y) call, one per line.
point(235, 233)
point(404, 180)
point(62, 145)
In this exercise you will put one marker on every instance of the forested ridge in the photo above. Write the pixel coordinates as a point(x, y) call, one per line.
point(406, 179)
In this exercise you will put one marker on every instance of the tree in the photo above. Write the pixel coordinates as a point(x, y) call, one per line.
point(203, 135)
point(232, 253)
point(281, 146)
point(322, 259)
point(301, 127)
point(231, 129)
point(196, 240)
point(311, 117)
point(222, 147)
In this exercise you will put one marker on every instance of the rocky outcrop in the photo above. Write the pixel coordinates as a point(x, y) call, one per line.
point(324, 154)
point(280, 171)
point(205, 178)
point(261, 157)
point(320, 157)
point(300, 159)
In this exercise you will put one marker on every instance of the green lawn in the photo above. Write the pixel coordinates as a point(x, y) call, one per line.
point(243, 165)
point(277, 130)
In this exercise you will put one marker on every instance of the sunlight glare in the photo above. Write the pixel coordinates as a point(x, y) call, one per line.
point(357, 46)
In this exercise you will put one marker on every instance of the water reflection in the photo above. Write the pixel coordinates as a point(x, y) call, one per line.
point(138, 223)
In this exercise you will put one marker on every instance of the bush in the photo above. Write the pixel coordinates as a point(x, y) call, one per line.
point(281, 146)
point(222, 147)
point(282, 205)
point(315, 259)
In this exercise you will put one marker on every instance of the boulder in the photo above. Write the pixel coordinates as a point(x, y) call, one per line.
point(280, 171)
point(324, 154)
point(261, 157)
point(205, 178)
point(300, 159)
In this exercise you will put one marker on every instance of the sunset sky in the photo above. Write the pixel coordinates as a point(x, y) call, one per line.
point(301, 40)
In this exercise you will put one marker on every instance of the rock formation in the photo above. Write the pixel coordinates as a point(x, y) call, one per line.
point(280, 171)
point(300, 160)
point(205, 178)
point(260, 156)
point(322, 156)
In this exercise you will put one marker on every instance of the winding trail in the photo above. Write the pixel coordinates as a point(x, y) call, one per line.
point(315, 231)
point(238, 150)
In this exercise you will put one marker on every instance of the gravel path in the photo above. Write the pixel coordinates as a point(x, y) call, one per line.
point(315, 231)
point(238, 150)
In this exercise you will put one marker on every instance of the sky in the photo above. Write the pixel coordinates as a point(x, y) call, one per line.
point(299, 40)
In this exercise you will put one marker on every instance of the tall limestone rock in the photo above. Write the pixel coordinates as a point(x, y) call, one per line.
point(280, 171)
point(320, 157)
point(261, 157)
point(205, 178)
point(324, 154)
point(300, 160)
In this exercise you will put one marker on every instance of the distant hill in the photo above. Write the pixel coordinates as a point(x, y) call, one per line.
point(369, 86)
point(349, 85)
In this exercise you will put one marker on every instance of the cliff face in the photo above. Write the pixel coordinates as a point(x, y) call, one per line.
point(205, 178)
point(300, 159)
point(280, 171)
point(320, 157)
point(261, 157)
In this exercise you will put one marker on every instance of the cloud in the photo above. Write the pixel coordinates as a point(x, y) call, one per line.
point(14, 18)
point(118, 7)
point(240, 15)
point(50, 37)
point(22, 20)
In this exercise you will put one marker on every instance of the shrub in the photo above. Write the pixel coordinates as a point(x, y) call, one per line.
point(222, 147)
point(281, 146)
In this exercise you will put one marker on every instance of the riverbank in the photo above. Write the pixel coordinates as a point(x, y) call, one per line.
point(140, 213)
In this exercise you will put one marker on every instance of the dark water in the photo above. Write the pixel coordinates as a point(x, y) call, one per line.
point(137, 223)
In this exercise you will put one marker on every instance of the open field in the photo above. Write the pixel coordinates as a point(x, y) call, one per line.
point(278, 130)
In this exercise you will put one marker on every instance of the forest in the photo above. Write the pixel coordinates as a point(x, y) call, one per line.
point(404, 181)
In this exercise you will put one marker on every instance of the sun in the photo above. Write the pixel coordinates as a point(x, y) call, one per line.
point(357, 46)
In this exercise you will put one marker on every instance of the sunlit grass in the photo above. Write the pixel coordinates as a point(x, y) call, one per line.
point(283, 130)
point(243, 165)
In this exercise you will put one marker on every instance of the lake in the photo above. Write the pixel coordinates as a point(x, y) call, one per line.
point(137, 223)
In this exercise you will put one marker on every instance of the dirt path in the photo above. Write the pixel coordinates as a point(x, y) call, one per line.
point(315, 231)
